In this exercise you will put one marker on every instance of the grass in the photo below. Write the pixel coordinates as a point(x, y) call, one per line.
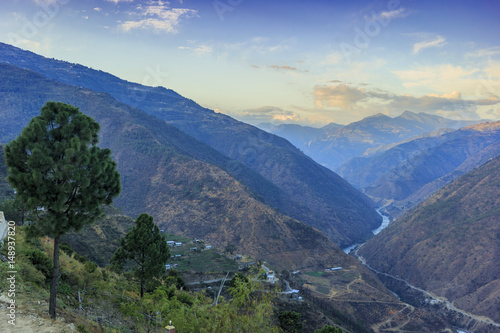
point(316, 274)
point(205, 261)
point(323, 290)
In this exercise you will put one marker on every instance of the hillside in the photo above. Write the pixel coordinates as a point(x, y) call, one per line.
point(307, 191)
point(183, 194)
point(410, 172)
point(193, 198)
point(450, 244)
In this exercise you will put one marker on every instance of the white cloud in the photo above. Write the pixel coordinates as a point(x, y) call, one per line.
point(487, 52)
point(201, 49)
point(334, 58)
point(159, 18)
point(438, 41)
point(118, 1)
point(347, 97)
point(341, 95)
point(440, 78)
point(398, 13)
point(266, 114)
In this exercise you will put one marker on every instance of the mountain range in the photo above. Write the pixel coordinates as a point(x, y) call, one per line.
point(406, 174)
point(450, 244)
point(273, 168)
point(203, 174)
point(160, 175)
point(334, 145)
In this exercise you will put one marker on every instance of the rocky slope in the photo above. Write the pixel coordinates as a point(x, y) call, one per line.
point(450, 244)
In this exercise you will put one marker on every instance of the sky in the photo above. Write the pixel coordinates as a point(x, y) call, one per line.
point(307, 62)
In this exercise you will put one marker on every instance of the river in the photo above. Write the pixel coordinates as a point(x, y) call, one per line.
point(449, 306)
point(385, 222)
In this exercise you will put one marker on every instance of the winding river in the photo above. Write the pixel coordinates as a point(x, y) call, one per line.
point(385, 222)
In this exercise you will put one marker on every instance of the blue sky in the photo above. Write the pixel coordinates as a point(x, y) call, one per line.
point(308, 62)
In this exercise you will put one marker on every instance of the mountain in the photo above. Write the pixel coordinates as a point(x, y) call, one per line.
point(307, 191)
point(334, 145)
point(450, 244)
point(410, 172)
point(188, 187)
point(161, 175)
point(298, 135)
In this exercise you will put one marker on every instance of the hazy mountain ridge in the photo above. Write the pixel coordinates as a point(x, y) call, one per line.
point(309, 192)
point(450, 244)
point(334, 145)
point(404, 175)
point(298, 135)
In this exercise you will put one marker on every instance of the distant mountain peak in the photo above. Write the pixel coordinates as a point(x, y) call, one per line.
point(379, 115)
point(408, 115)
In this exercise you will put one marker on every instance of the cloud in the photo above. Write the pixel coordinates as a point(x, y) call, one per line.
point(266, 114)
point(286, 67)
point(201, 49)
point(258, 45)
point(438, 41)
point(333, 58)
point(342, 95)
point(118, 1)
point(441, 78)
point(397, 13)
point(346, 97)
point(159, 18)
point(487, 52)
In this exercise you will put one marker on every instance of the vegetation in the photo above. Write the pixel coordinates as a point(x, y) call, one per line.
point(453, 236)
point(143, 251)
point(56, 167)
point(289, 321)
point(329, 329)
point(90, 290)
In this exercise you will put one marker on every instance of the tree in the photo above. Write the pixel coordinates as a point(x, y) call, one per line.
point(60, 175)
point(329, 329)
point(143, 251)
point(289, 321)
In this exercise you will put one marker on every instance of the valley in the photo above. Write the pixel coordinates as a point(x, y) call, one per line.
point(387, 224)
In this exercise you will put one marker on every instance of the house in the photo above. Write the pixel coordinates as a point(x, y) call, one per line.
point(178, 243)
point(271, 278)
point(170, 243)
point(208, 247)
point(333, 269)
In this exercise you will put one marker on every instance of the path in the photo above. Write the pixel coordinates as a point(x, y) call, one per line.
point(429, 294)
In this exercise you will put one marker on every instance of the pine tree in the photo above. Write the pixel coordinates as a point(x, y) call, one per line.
point(143, 251)
point(60, 175)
